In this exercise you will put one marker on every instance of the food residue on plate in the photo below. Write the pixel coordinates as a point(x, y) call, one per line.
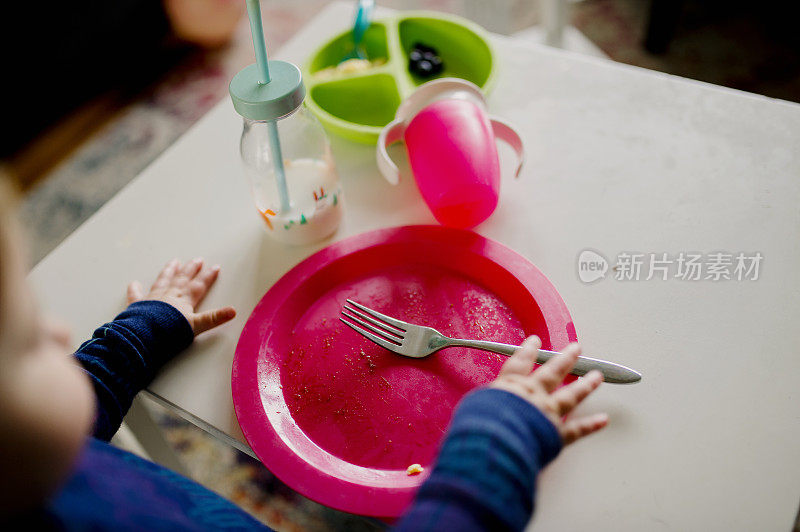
point(414, 469)
point(350, 66)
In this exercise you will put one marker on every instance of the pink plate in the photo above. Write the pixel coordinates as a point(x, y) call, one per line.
point(338, 418)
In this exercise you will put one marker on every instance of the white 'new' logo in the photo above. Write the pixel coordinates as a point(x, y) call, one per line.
point(592, 266)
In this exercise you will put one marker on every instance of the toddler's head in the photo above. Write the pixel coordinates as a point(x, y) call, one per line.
point(46, 401)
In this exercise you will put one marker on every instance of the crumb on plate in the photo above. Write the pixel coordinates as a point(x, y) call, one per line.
point(414, 469)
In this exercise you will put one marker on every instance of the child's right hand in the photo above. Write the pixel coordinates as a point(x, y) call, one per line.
point(184, 286)
point(541, 387)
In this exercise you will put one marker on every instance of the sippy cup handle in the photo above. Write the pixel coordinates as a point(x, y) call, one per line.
point(389, 135)
point(506, 132)
point(393, 132)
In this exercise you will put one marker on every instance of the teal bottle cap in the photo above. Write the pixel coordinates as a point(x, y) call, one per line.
point(267, 101)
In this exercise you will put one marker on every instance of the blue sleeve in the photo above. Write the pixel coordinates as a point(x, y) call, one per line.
point(124, 355)
point(112, 490)
point(485, 475)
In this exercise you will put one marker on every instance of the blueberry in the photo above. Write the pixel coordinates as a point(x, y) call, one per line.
point(425, 67)
point(424, 61)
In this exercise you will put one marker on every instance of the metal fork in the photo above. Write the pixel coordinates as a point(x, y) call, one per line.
point(417, 341)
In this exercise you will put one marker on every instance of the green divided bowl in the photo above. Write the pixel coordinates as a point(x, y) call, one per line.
point(357, 105)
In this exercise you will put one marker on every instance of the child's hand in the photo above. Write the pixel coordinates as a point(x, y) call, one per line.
point(541, 387)
point(184, 286)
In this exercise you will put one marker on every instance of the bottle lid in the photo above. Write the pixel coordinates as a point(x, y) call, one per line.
point(267, 101)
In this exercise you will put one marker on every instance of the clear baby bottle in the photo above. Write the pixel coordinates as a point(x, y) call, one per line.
point(286, 155)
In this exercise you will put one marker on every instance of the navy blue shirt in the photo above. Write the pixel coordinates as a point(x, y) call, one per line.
point(483, 479)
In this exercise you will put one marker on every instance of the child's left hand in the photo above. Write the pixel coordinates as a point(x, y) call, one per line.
point(543, 388)
point(184, 286)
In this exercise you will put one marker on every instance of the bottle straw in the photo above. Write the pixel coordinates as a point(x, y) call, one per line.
point(260, 47)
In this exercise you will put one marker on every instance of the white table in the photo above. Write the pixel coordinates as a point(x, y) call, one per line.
point(619, 159)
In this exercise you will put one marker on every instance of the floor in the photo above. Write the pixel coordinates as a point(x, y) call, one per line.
point(102, 154)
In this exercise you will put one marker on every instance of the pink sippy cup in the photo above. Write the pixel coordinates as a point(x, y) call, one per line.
point(450, 140)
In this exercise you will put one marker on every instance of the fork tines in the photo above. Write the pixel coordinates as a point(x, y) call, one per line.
point(381, 329)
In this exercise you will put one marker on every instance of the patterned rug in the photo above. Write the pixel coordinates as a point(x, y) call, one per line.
point(243, 480)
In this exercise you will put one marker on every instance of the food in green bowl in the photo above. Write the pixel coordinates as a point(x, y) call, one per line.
point(355, 102)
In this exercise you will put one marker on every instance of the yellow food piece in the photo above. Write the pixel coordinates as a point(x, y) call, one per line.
point(353, 65)
point(414, 469)
point(348, 67)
